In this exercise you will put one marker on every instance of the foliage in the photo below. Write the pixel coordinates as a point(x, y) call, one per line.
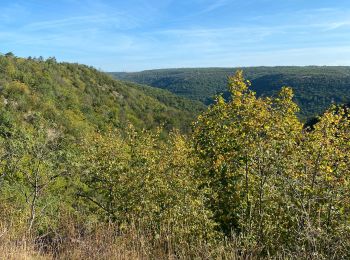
point(77, 180)
point(316, 88)
point(141, 178)
point(277, 185)
point(81, 99)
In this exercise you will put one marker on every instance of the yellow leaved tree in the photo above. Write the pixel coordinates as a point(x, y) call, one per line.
point(272, 182)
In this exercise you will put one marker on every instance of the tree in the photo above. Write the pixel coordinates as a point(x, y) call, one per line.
point(240, 142)
point(35, 166)
point(10, 54)
point(273, 182)
point(140, 179)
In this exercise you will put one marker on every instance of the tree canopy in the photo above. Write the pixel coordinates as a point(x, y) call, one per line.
point(88, 171)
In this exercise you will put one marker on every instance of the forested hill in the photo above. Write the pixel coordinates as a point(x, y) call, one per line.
point(315, 87)
point(247, 181)
point(77, 98)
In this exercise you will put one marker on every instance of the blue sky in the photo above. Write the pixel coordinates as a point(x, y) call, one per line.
point(134, 35)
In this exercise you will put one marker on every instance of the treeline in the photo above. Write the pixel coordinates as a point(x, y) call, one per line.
point(79, 98)
point(316, 88)
point(249, 181)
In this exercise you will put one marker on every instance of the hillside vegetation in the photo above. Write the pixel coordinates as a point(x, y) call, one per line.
point(315, 87)
point(81, 177)
point(79, 99)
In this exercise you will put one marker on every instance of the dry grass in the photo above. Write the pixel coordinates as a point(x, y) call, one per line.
point(21, 252)
point(110, 243)
point(107, 243)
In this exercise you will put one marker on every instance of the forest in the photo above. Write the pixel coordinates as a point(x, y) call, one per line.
point(96, 168)
point(315, 87)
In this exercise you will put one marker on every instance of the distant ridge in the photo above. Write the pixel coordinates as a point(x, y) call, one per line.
point(315, 87)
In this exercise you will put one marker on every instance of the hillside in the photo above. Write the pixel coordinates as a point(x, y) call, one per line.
point(77, 98)
point(315, 87)
point(78, 182)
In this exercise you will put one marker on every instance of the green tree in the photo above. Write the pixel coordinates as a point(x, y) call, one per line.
point(141, 179)
point(35, 165)
point(240, 142)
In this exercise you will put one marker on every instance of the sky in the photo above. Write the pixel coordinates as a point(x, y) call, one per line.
point(134, 35)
